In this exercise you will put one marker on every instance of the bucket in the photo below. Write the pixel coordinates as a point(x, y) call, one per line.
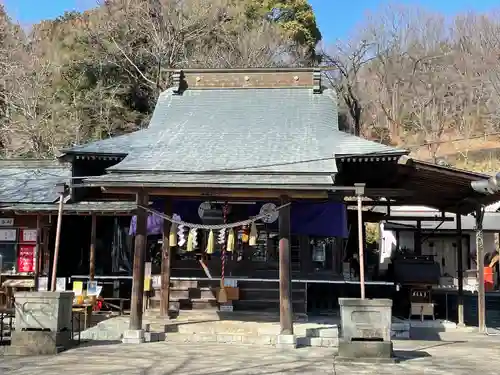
point(489, 279)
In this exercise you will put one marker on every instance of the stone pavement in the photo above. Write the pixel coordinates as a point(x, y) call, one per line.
point(460, 354)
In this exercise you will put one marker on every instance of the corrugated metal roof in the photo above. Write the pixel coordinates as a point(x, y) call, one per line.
point(31, 181)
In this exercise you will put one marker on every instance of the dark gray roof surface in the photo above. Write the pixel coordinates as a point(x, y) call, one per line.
point(238, 129)
point(120, 145)
point(210, 180)
point(246, 129)
point(31, 181)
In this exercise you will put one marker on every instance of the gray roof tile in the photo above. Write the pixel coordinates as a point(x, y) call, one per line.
point(31, 182)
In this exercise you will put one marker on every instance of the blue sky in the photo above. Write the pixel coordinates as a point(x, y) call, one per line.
point(336, 18)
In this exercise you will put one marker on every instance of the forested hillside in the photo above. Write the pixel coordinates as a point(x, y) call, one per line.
point(405, 77)
point(98, 74)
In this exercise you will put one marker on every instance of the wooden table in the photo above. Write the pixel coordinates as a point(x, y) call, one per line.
point(86, 310)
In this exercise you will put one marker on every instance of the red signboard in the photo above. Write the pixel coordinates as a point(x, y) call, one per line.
point(26, 259)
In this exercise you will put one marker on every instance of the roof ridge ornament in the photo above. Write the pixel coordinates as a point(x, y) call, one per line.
point(179, 82)
point(317, 88)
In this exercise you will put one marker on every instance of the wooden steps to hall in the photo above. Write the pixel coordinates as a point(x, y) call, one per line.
point(254, 296)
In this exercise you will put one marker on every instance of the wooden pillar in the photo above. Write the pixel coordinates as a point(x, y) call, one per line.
point(460, 271)
point(36, 267)
point(136, 304)
point(165, 262)
point(285, 284)
point(93, 235)
point(481, 298)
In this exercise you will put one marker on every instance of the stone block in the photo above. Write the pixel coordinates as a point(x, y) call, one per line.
point(365, 349)
point(329, 343)
point(154, 336)
point(286, 342)
point(39, 342)
point(133, 336)
point(329, 333)
point(256, 340)
point(205, 337)
point(43, 311)
point(315, 341)
point(366, 318)
point(146, 327)
point(229, 339)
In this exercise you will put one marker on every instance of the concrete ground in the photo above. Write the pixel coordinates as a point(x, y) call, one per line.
point(456, 354)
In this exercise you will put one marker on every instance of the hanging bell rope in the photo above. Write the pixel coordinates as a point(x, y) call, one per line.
point(222, 291)
point(212, 227)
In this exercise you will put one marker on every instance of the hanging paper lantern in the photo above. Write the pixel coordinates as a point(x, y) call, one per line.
point(230, 241)
point(252, 241)
point(181, 237)
point(221, 238)
point(210, 243)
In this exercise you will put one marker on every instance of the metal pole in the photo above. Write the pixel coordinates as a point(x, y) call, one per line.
point(481, 298)
point(36, 269)
point(460, 271)
point(360, 247)
point(58, 238)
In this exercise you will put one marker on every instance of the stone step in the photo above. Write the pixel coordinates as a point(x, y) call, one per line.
point(184, 284)
point(247, 339)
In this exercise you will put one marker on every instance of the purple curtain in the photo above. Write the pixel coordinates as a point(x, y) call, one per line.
point(312, 219)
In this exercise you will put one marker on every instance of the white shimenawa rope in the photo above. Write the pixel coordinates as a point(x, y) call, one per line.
point(212, 227)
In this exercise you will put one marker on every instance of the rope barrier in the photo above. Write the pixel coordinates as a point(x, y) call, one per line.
point(212, 227)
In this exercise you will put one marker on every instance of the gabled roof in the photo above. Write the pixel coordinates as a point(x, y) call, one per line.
point(31, 181)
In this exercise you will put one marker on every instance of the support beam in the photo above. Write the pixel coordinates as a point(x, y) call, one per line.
point(481, 298)
point(166, 261)
point(285, 284)
point(361, 249)
point(460, 272)
point(136, 304)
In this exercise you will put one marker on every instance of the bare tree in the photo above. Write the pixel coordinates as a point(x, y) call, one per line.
point(348, 60)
